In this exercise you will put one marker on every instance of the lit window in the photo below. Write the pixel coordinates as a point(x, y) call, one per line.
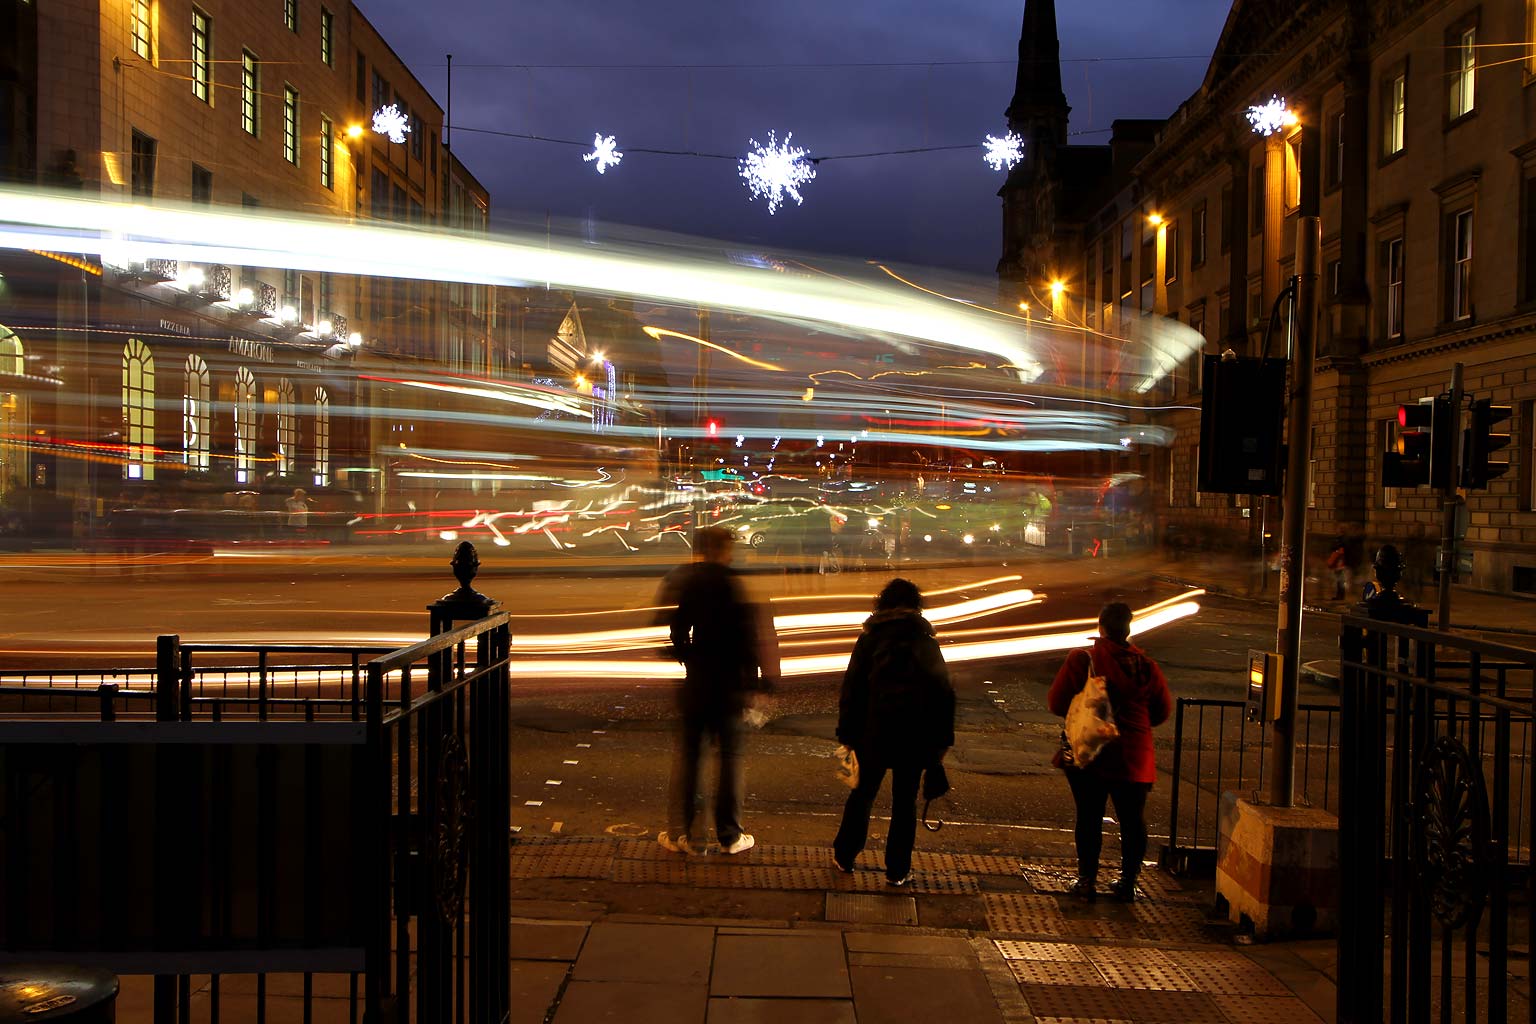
point(202, 49)
point(1464, 74)
point(322, 438)
point(250, 87)
point(245, 425)
point(143, 29)
point(291, 14)
point(1461, 265)
point(290, 124)
point(1395, 288)
point(138, 411)
point(1395, 111)
point(327, 155)
point(327, 37)
point(13, 357)
point(287, 428)
point(195, 415)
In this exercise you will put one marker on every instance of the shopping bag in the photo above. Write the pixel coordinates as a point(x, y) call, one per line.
point(847, 766)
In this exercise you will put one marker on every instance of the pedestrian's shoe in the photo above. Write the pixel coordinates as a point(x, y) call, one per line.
point(897, 883)
point(741, 844)
point(846, 869)
point(1083, 889)
point(675, 844)
point(1124, 890)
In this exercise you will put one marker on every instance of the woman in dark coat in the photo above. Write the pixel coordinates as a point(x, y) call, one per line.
point(897, 713)
point(1125, 769)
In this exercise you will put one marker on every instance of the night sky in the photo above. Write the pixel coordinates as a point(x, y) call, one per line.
point(937, 209)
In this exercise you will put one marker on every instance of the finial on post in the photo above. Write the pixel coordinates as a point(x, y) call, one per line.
point(465, 602)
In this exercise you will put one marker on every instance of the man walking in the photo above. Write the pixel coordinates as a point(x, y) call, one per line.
point(714, 631)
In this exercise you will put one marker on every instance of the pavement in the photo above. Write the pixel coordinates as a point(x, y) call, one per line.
point(613, 929)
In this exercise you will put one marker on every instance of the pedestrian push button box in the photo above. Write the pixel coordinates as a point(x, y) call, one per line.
point(1263, 686)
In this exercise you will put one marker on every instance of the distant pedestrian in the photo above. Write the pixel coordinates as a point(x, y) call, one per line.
point(1125, 769)
point(1338, 564)
point(297, 507)
point(715, 633)
point(897, 713)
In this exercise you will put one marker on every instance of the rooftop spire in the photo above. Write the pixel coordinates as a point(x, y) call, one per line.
point(1039, 108)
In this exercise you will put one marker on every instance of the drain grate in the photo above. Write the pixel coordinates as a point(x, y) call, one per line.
point(862, 908)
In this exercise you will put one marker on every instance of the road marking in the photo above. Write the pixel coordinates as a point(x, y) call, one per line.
point(556, 826)
point(569, 761)
point(584, 745)
point(533, 803)
point(599, 732)
point(551, 782)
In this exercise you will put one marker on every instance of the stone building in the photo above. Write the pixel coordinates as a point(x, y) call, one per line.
point(1413, 140)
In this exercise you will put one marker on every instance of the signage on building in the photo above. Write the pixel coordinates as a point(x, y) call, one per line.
point(175, 328)
point(258, 350)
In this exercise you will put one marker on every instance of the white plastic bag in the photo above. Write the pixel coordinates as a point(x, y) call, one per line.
point(1090, 721)
point(847, 766)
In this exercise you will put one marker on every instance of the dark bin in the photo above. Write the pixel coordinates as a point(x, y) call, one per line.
point(42, 993)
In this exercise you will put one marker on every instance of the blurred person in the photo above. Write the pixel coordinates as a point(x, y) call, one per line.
point(716, 634)
point(297, 507)
point(1125, 769)
point(897, 713)
point(1338, 564)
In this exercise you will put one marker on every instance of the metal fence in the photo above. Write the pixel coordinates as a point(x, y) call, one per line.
point(1436, 803)
point(308, 811)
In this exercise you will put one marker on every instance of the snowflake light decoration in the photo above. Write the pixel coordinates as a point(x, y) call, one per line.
point(1004, 152)
point(391, 121)
point(776, 170)
point(605, 150)
point(1270, 117)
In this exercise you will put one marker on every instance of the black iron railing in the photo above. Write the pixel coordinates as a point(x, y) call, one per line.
point(1435, 816)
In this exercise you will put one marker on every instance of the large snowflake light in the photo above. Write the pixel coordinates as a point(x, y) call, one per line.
point(1268, 118)
point(1004, 152)
point(391, 121)
point(776, 170)
point(605, 150)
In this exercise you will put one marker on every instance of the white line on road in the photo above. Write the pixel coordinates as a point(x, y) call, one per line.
point(551, 782)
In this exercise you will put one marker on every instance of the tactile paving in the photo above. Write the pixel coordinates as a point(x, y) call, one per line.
point(1227, 974)
point(1266, 1009)
point(1103, 928)
point(768, 876)
point(1158, 977)
point(867, 909)
point(1055, 952)
point(1184, 1007)
point(1127, 955)
point(1089, 1001)
point(1080, 1020)
point(1022, 914)
point(1044, 972)
point(562, 866)
point(658, 872)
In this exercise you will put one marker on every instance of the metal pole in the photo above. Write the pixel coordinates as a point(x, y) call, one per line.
point(1282, 751)
point(1452, 503)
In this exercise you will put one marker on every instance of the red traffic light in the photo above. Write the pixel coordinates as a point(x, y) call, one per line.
point(714, 428)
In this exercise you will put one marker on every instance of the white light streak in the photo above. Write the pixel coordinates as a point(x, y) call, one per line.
point(776, 170)
point(391, 121)
point(1003, 153)
point(605, 151)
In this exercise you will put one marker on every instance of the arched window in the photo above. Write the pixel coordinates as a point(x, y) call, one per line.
point(13, 358)
point(194, 415)
point(138, 411)
point(245, 425)
point(287, 428)
point(322, 438)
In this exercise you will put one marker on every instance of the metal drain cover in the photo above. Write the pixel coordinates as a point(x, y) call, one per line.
point(863, 908)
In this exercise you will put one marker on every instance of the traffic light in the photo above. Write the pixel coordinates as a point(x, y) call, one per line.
point(714, 428)
point(1241, 425)
point(1482, 441)
point(1423, 451)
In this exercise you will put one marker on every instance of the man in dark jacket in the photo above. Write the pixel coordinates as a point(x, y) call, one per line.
point(714, 634)
point(1125, 769)
point(897, 713)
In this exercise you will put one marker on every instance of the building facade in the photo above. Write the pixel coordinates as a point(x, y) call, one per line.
point(1421, 127)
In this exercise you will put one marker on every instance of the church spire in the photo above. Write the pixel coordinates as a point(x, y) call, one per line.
point(1039, 108)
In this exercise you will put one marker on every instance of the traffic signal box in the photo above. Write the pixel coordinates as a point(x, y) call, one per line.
point(1242, 415)
point(1425, 434)
point(1481, 442)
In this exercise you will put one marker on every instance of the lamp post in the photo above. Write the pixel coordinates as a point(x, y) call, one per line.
point(1267, 120)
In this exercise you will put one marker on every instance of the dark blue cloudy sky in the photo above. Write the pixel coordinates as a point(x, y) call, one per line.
point(937, 209)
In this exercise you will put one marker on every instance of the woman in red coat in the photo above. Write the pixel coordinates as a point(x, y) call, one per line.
point(1124, 769)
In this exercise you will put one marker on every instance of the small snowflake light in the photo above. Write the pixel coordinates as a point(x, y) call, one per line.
point(1004, 152)
point(605, 150)
point(1270, 117)
point(776, 170)
point(392, 122)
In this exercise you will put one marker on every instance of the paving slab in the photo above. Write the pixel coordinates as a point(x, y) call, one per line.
point(547, 940)
point(535, 987)
point(955, 963)
point(920, 945)
point(902, 994)
point(733, 1010)
point(669, 954)
point(808, 965)
point(627, 1002)
point(1266, 1009)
